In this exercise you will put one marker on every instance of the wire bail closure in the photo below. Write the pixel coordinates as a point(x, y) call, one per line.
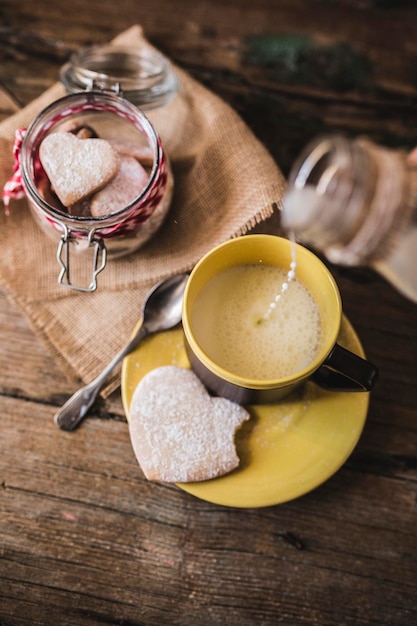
point(103, 85)
point(99, 259)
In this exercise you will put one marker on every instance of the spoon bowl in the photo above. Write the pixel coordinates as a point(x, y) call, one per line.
point(163, 305)
point(162, 310)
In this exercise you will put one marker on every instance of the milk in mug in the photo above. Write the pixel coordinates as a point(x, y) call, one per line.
point(229, 322)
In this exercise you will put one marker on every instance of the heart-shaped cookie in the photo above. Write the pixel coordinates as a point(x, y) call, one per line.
point(77, 167)
point(179, 432)
point(128, 183)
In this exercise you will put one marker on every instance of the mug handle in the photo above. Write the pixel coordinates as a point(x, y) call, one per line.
point(345, 371)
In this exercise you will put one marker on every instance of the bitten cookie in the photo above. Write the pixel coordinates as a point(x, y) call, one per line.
point(179, 432)
point(77, 167)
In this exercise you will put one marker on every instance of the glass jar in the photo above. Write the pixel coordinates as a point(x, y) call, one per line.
point(117, 233)
point(356, 202)
point(142, 74)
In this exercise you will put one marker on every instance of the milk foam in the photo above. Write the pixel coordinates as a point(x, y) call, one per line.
point(229, 322)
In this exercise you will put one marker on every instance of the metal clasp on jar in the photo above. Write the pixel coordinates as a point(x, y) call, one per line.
point(105, 85)
point(63, 256)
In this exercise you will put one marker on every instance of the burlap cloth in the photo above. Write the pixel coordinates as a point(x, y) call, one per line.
point(225, 183)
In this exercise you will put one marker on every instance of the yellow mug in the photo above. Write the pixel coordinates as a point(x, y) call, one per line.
point(333, 367)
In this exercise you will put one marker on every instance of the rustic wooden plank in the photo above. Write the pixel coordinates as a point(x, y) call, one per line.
point(78, 510)
point(29, 372)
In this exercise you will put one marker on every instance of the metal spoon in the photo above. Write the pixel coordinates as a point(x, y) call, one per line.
point(162, 310)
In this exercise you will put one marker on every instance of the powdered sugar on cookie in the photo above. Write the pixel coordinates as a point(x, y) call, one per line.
point(89, 176)
point(121, 190)
point(77, 167)
point(179, 432)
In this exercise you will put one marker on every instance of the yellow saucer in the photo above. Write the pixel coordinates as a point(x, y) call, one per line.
point(286, 449)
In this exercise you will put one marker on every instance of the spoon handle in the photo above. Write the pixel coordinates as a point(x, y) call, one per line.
point(70, 415)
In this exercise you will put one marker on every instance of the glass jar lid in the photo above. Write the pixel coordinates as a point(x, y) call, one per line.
point(143, 75)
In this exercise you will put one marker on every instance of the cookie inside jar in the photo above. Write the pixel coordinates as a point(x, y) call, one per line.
point(91, 167)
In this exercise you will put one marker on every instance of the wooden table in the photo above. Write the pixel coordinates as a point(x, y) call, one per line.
point(85, 539)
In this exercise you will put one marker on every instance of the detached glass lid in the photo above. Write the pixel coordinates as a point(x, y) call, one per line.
point(141, 74)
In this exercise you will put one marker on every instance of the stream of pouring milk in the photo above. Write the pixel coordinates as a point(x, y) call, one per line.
point(285, 285)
